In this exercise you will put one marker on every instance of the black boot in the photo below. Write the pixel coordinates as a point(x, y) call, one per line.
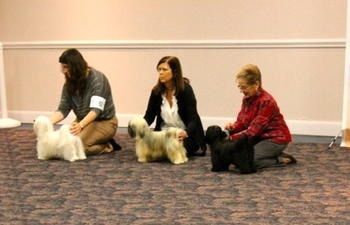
point(115, 145)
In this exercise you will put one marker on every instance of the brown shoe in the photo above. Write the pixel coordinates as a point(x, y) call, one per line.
point(286, 159)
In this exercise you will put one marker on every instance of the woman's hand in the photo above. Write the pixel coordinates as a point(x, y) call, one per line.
point(182, 135)
point(229, 126)
point(75, 128)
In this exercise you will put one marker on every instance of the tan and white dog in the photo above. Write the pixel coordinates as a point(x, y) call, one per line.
point(156, 145)
point(57, 144)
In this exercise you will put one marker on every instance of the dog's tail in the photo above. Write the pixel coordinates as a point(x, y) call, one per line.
point(64, 135)
point(65, 129)
point(64, 132)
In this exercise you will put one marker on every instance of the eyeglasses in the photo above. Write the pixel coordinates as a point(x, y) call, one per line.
point(244, 87)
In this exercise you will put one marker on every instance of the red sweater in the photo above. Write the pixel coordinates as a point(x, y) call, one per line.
point(261, 117)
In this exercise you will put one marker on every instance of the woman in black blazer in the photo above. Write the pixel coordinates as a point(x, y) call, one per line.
point(174, 104)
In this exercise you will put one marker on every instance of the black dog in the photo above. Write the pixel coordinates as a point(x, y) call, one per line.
point(225, 152)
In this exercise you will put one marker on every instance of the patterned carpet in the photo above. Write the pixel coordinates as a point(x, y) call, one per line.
point(116, 189)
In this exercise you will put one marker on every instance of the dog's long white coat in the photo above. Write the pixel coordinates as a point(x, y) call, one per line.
point(57, 144)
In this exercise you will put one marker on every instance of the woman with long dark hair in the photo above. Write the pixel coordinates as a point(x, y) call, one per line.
point(87, 92)
point(173, 104)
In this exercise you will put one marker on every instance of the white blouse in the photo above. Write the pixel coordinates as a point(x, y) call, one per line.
point(170, 114)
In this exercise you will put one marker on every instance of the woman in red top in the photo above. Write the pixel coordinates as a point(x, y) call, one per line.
point(260, 118)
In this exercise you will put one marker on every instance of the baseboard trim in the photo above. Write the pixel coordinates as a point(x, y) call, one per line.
point(297, 127)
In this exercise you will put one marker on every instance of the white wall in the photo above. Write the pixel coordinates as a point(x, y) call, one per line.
point(299, 46)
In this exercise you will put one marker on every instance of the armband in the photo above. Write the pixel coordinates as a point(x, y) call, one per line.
point(97, 102)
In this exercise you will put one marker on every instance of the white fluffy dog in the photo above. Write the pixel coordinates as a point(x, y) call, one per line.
point(57, 144)
point(156, 145)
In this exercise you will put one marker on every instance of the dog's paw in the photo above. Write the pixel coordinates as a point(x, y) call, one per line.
point(185, 159)
point(142, 160)
point(179, 162)
point(219, 169)
point(73, 159)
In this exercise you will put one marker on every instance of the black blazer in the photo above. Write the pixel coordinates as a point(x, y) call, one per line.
point(187, 109)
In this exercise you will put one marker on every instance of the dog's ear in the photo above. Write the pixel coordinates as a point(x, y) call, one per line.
point(170, 133)
point(131, 131)
point(142, 132)
point(209, 138)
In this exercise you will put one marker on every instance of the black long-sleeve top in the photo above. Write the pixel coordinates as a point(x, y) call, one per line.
point(187, 110)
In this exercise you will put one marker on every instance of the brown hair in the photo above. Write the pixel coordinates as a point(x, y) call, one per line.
point(251, 74)
point(178, 79)
point(77, 66)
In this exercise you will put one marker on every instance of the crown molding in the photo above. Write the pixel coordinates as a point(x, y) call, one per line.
point(180, 44)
